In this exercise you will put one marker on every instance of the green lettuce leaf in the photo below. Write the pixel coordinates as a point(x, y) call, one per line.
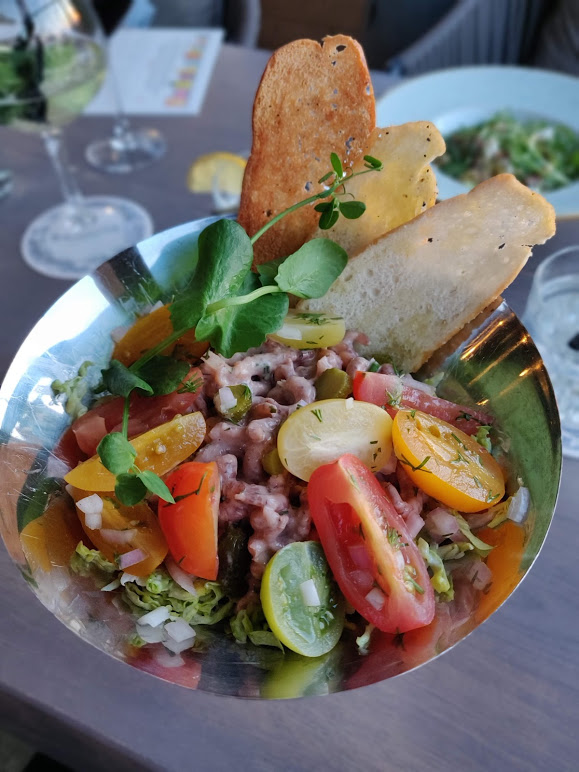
point(250, 624)
point(86, 562)
point(208, 607)
point(480, 547)
point(483, 438)
point(439, 579)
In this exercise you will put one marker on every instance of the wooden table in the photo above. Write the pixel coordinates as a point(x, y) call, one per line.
point(506, 699)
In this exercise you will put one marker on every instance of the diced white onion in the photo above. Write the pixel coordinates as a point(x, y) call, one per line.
point(156, 617)
point(301, 403)
point(91, 505)
point(362, 579)
point(111, 586)
point(132, 558)
point(118, 333)
point(69, 489)
point(479, 574)
point(309, 593)
point(117, 538)
point(376, 598)
point(93, 520)
point(289, 332)
point(182, 578)
point(178, 646)
point(225, 399)
point(126, 577)
point(151, 634)
point(179, 630)
point(519, 506)
point(166, 659)
point(349, 403)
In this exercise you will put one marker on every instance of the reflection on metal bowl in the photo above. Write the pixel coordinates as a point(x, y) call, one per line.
point(497, 365)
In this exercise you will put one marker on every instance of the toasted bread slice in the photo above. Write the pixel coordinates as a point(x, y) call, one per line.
point(312, 100)
point(414, 288)
point(404, 188)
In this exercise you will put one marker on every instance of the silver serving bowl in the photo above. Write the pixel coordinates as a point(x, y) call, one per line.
point(498, 366)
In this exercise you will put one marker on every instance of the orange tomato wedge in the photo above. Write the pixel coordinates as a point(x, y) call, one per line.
point(190, 525)
point(140, 520)
point(446, 463)
point(149, 331)
point(159, 450)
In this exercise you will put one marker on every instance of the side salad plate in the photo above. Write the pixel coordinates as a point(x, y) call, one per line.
point(542, 114)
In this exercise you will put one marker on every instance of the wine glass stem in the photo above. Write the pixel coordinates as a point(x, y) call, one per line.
point(57, 153)
point(121, 125)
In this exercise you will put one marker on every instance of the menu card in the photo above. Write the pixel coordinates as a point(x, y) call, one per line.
point(158, 71)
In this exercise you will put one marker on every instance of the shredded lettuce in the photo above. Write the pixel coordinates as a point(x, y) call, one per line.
point(363, 641)
point(85, 562)
point(480, 547)
point(500, 512)
point(455, 550)
point(250, 624)
point(483, 438)
point(208, 607)
point(74, 390)
point(439, 579)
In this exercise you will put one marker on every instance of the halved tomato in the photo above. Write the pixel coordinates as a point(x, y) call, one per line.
point(389, 391)
point(190, 524)
point(372, 556)
point(144, 413)
point(446, 463)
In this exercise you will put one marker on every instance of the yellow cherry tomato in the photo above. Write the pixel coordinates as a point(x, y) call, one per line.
point(158, 450)
point(446, 463)
point(139, 520)
point(150, 330)
point(323, 431)
point(305, 330)
point(50, 540)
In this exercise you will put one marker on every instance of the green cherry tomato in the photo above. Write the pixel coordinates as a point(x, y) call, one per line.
point(311, 630)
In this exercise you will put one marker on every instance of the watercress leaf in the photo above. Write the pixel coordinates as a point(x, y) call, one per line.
point(337, 165)
point(119, 380)
point(116, 453)
point(328, 219)
point(310, 272)
point(373, 163)
point(268, 271)
point(164, 374)
point(250, 283)
point(325, 206)
point(154, 483)
point(225, 258)
point(352, 209)
point(325, 177)
point(129, 489)
point(237, 328)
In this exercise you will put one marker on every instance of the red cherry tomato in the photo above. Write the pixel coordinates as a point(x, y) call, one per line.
point(372, 556)
point(390, 392)
point(190, 525)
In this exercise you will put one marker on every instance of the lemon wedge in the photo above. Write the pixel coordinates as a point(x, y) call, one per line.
point(216, 170)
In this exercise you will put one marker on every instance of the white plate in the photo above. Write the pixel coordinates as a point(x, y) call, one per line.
point(459, 97)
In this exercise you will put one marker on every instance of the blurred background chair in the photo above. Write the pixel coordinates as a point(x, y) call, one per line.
point(473, 32)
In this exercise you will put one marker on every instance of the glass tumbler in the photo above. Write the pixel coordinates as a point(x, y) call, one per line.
point(552, 318)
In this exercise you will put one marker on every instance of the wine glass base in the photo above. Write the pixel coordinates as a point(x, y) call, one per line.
point(69, 241)
point(137, 149)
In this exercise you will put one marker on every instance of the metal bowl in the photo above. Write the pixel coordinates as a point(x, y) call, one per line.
point(498, 364)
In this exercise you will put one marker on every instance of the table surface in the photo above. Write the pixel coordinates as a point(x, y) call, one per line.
point(507, 699)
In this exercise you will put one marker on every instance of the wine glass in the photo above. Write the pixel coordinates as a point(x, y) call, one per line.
point(127, 149)
point(52, 63)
